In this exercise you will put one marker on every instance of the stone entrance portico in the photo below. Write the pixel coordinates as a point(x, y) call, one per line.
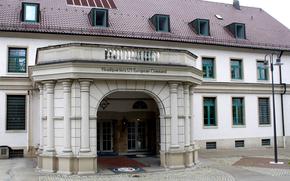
point(72, 81)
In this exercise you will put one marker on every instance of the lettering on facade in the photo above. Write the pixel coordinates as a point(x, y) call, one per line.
point(133, 70)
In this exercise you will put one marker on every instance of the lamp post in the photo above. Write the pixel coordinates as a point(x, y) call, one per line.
point(278, 63)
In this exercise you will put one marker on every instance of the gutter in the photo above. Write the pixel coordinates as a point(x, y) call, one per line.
point(282, 101)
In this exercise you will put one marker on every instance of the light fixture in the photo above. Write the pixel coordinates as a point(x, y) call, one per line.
point(278, 62)
point(104, 104)
point(124, 123)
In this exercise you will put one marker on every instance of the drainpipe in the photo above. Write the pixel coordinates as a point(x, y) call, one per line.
point(282, 101)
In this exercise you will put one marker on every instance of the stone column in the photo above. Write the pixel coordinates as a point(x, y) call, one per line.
point(87, 163)
point(50, 114)
point(48, 157)
point(65, 160)
point(174, 115)
point(85, 114)
point(191, 99)
point(195, 147)
point(187, 125)
point(40, 87)
point(67, 113)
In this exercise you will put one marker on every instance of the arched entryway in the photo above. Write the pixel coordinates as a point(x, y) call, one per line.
point(128, 125)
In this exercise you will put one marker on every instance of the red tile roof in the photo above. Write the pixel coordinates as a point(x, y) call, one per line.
point(131, 20)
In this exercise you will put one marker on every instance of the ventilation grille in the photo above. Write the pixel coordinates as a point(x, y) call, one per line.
point(16, 153)
point(239, 143)
point(210, 145)
point(4, 152)
point(266, 142)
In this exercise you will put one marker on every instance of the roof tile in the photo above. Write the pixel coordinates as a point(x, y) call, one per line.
point(130, 18)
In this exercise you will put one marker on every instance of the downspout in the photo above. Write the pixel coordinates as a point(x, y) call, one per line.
point(282, 101)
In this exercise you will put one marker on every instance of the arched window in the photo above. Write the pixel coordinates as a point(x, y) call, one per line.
point(140, 105)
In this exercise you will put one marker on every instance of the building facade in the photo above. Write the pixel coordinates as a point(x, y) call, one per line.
point(87, 78)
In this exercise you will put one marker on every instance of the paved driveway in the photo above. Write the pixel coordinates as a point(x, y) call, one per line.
point(214, 166)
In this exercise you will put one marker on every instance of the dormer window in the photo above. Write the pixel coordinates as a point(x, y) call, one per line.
point(99, 17)
point(30, 12)
point(201, 26)
point(161, 22)
point(238, 30)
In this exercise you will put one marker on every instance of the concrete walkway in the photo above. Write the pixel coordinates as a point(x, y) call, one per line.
point(214, 166)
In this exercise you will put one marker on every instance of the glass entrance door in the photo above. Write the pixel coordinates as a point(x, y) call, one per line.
point(137, 136)
point(105, 136)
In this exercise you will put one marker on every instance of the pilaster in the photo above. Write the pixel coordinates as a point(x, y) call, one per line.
point(174, 115)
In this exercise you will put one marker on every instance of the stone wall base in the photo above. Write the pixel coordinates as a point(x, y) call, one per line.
point(175, 159)
point(67, 164)
point(252, 143)
point(49, 162)
point(87, 165)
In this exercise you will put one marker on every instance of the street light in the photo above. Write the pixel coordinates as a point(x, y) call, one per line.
point(278, 63)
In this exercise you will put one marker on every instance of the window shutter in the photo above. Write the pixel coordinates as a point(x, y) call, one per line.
point(16, 113)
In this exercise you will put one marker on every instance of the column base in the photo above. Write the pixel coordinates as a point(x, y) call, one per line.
point(87, 164)
point(195, 148)
point(172, 159)
point(49, 162)
point(39, 160)
point(66, 164)
point(179, 158)
point(188, 156)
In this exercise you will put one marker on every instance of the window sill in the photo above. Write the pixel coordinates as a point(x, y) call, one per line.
point(16, 74)
point(263, 81)
point(210, 127)
point(239, 126)
point(16, 131)
point(265, 125)
point(209, 79)
point(237, 80)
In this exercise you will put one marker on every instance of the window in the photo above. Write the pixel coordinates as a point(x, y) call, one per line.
point(17, 60)
point(238, 30)
point(201, 26)
point(30, 12)
point(264, 111)
point(99, 17)
point(161, 22)
point(262, 71)
point(140, 105)
point(236, 69)
point(208, 67)
point(209, 111)
point(238, 111)
point(16, 112)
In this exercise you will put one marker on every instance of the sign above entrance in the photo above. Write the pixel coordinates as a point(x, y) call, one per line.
point(133, 70)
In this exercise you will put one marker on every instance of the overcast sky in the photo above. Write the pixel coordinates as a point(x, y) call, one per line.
point(279, 9)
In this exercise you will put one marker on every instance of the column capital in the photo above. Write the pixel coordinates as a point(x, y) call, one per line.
point(66, 85)
point(85, 85)
point(40, 87)
point(191, 90)
point(173, 87)
point(49, 85)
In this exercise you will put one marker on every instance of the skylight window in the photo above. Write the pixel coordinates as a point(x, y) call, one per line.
point(161, 22)
point(201, 26)
point(238, 30)
point(219, 17)
point(99, 17)
point(30, 12)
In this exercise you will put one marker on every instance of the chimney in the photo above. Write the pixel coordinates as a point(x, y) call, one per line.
point(236, 4)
